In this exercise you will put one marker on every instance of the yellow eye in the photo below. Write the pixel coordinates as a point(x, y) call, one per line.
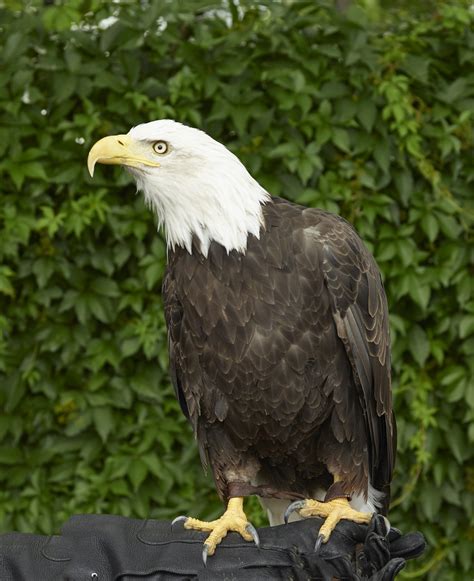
point(160, 147)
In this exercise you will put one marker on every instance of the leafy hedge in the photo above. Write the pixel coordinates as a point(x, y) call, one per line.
point(370, 119)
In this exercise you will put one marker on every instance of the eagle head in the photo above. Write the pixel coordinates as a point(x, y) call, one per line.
point(198, 188)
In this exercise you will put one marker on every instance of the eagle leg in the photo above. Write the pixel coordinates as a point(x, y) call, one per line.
point(233, 519)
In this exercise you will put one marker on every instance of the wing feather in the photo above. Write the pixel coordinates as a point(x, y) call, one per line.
point(360, 312)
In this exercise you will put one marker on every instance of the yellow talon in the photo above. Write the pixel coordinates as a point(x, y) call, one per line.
point(333, 511)
point(233, 519)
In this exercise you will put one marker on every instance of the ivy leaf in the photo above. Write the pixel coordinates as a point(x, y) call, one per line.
point(466, 326)
point(105, 286)
point(153, 274)
point(14, 46)
point(419, 345)
point(333, 89)
point(456, 441)
point(430, 226)
point(405, 185)
point(6, 286)
point(455, 91)
point(10, 455)
point(367, 113)
point(130, 346)
point(382, 156)
point(421, 294)
point(104, 422)
point(340, 138)
point(153, 464)
point(137, 472)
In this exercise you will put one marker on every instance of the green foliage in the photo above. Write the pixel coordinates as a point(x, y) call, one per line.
point(370, 119)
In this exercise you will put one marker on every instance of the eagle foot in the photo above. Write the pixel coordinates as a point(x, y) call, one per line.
point(233, 519)
point(333, 511)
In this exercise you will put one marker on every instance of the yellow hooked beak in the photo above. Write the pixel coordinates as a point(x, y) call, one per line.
point(119, 150)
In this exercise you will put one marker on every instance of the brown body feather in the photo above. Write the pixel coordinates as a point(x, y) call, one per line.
point(280, 357)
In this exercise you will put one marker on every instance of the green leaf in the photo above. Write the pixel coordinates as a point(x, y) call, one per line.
point(340, 138)
point(15, 389)
point(6, 286)
point(137, 472)
point(34, 170)
point(153, 463)
point(333, 90)
point(449, 225)
point(385, 251)
point(153, 274)
point(14, 46)
point(104, 422)
point(105, 286)
point(421, 294)
point(430, 501)
point(367, 113)
point(454, 91)
point(452, 375)
point(417, 67)
point(382, 156)
point(120, 488)
point(456, 441)
point(406, 251)
point(323, 135)
point(100, 307)
point(466, 326)
point(130, 346)
point(10, 456)
point(430, 226)
point(284, 150)
point(305, 169)
point(419, 345)
point(405, 186)
point(43, 268)
point(16, 173)
point(465, 554)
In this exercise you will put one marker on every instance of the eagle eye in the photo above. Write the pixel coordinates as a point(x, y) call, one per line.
point(160, 147)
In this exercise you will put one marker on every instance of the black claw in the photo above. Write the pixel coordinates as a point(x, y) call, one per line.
point(294, 506)
point(205, 551)
point(178, 519)
point(253, 531)
point(319, 541)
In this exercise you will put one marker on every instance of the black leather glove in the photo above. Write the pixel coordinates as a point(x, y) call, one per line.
point(109, 548)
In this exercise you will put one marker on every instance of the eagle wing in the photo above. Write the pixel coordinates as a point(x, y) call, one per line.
point(360, 312)
point(173, 316)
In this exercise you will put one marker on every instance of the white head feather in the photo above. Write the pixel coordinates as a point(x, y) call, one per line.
point(201, 189)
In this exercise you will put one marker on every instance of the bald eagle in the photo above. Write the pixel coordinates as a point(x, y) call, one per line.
point(278, 335)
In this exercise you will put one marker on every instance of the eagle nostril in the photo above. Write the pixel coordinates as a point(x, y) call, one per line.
point(121, 142)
